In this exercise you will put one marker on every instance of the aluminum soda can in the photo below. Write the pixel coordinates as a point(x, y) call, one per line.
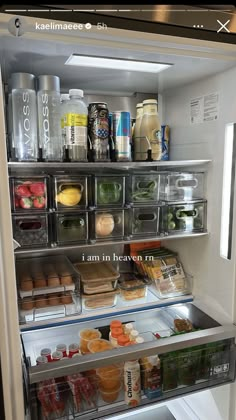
point(98, 130)
point(122, 135)
point(165, 142)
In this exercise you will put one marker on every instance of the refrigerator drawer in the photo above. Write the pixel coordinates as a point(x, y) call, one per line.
point(186, 217)
point(70, 192)
point(71, 227)
point(144, 189)
point(190, 361)
point(109, 190)
point(31, 230)
point(181, 186)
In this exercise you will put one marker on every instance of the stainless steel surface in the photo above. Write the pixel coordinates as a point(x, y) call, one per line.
point(151, 320)
point(46, 166)
point(58, 250)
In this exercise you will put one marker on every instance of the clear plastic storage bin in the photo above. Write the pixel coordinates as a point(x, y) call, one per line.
point(29, 193)
point(108, 224)
point(144, 221)
point(31, 230)
point(97, 277)
point(45, 275)
point(181, 186)
point(109, 190)
point(184, 217)
point(71, 227)
point(99, 301)
point(133, 286)
point(144, 188)
point(70, 192)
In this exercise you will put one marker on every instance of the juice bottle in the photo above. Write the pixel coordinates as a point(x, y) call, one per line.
point(150, 131)
point(151, 376)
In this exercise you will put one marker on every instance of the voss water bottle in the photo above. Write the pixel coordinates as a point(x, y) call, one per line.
point(24, 117)
point(49, 118)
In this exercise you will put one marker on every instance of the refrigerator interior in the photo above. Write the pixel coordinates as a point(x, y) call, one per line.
point(202, 69)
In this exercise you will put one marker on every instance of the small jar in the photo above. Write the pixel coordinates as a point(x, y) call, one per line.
point(47, 353)
point(41, 360)
point(62, 348)
point(139, 340)
point(133, 335)
point(73, 349)
point(114, 334)
point(56, 356)
point(122, 340)
point(128, 328)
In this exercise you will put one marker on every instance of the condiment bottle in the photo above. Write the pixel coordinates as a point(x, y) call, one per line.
point(114, 334)
point(133, 335)
point(150, 131)
point(122, 340)
point(41, 360)
point(73, 349)
point(132, 382)
point(47, 353)
point(115, 324)
point(128, 328)
point(56, 356)
point(62, 348)
point(139, 114)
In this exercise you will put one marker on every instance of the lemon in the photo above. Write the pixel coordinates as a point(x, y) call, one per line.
point(69, 196)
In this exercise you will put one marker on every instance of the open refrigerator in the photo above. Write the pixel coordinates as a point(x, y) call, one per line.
point(202, 141)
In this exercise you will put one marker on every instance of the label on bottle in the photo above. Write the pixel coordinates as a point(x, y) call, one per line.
point(76, 129)
point(156, 144)
point(132, 384)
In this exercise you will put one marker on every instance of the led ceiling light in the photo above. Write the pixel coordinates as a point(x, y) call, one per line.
point(116, 64)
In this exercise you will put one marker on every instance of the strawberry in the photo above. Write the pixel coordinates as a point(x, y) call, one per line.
point(22, 191)
point(39, 202)
point(25, 203)
point(37, 189)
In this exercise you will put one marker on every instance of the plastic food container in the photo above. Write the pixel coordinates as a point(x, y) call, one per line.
point(70, 192)
point(110, 377)
point(108, 224)
point(133, 286)
point(97, 277)
point(45, 275)
point(172, 287)
point(31, 230)
point(99, 344)
point(179, 186)
point(99, 300)
point(52, 306)
point(86, 336)
point(109, 190)
point(144, 221)
point(71, 228)
point(144, 188)
point(185, 217)
point(110, 396)
point(29, 193)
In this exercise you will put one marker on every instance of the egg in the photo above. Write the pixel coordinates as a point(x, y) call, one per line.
point(104, 224)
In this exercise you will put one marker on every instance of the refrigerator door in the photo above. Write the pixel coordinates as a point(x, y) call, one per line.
point(10, 346)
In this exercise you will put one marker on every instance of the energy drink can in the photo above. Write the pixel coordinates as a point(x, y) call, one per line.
point(98, 129)
point(122, 135)
point(165, 140)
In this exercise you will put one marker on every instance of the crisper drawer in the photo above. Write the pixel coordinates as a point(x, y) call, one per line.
point(31, 230)
point(185, 217)
point(144, 221)
point(71, 227)
point(195, 352)
point(70, 192)
point(109, 190)
point(178, 186)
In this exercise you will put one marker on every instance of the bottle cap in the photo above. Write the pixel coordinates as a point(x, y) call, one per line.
point(129, 327)
point(22, 81)
point(65, 97)
point(57, 355)
point(41, 360)
point(76, 92)
point(153, 360)
point(122, 340)
point(116, 332)
point(139, 340)
point(76, 355)
point(150, 101)
point(74, 347)
point(45, 352)
point(61, 347)
point(48, 82)
point(134, 334)
point(115, 324)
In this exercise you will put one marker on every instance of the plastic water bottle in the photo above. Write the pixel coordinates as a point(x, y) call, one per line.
point(24, 117)
point(64, 98)
point(76, 126)
point(49, 118)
